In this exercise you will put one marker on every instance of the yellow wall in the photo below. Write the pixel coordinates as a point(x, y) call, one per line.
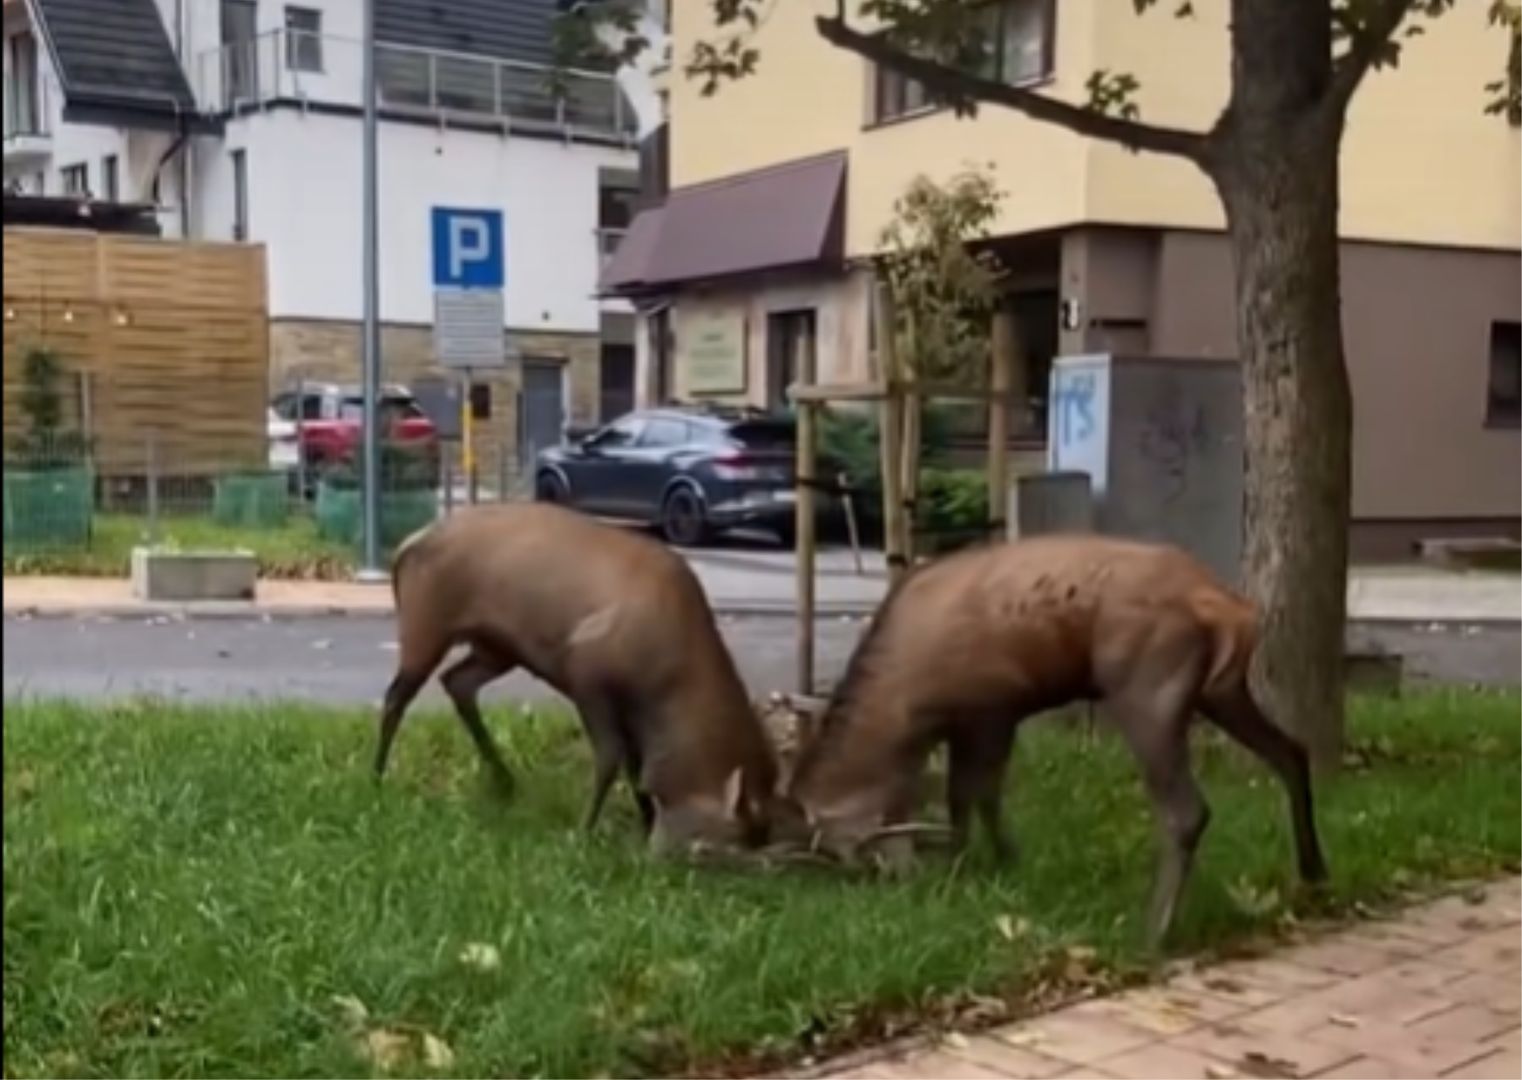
point(1421, 163)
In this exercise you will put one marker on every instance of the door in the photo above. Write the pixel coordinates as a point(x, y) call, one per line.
point(652, 464)
point(789, 353)
point(616, 382)
point(600, 468)
point(240, 61)
point(541, 409)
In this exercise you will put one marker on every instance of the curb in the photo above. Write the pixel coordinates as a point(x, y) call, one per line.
point(778, 609)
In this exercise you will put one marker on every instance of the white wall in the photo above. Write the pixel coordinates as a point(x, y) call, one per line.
point(304, 192)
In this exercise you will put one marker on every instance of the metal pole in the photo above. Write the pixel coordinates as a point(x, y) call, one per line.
point(370, 569)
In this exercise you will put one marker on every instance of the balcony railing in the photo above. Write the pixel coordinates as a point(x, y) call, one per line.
point(443, 85)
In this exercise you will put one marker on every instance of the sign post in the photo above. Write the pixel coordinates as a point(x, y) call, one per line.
point(469, 314)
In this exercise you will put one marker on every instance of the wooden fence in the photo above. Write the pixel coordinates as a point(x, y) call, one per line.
point(167, 343)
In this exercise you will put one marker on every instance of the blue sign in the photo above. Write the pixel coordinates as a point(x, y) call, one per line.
point(469, 249)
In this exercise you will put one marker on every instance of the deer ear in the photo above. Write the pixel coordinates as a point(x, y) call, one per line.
point(734, 792)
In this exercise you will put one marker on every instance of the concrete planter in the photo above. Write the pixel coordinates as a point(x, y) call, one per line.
point(158, 574)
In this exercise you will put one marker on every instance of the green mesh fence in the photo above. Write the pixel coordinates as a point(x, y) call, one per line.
point(340, 514)
point(257, 500)
point(51, 508)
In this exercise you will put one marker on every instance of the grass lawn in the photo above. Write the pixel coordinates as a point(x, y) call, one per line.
point(293, 550)
point(215, 892)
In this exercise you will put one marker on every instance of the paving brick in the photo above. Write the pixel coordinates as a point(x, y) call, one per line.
point(1250, 1049)
point(1164, 1061)
point(1254, 983)
point(1374, 1068)
point(938, 1065)
point(1350, 1004)
point(1495, 951)
point(1431, 1051)
point(1389, 936)
point(1166, 1010)
point(1007, 1060)
point(1472, 1022)
point(1080, 1034)
point(1498, 1066)
point(1499, 993)
point(1089, 1072)
point(1341, 957)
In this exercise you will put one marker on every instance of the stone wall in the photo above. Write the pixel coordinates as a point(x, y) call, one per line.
point(329, 351)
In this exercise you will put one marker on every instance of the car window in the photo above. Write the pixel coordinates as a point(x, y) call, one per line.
point(707, 434)
point(391, 409)
point(283, 407)
point(764, 434)
point(621, 433)
point(663, 431)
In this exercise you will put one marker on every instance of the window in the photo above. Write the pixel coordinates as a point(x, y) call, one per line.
point(619, 435)
point(22, 115)
point(239, 53)
point(1503, 406)
point(76, 179)
point(240, 194)
point(109, 182)
point(303, 39)
point(1016, 39)
point(663, 431)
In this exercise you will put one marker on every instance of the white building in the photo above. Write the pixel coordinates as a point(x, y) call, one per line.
point(240, 120)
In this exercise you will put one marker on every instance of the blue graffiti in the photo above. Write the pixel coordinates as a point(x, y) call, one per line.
point(1074, 409)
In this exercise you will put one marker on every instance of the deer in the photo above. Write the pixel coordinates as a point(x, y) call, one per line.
point(966, 647)
point(617, 623)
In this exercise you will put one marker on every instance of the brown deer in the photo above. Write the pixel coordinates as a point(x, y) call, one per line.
point(614, 621)
point(966, 647)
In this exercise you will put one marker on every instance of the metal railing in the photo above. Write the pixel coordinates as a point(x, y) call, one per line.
point(436, 83)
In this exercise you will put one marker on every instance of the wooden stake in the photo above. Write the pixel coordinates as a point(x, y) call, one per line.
point(890, 431)
point(808, 452)
point(1001, 375)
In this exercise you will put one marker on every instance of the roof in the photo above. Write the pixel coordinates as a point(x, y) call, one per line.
point(787, 215)
point(503, 29)
point(116, 64)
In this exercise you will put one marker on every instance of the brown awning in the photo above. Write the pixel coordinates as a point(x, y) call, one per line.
point(786, 215)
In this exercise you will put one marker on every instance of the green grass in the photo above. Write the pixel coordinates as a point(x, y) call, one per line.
point(293, 550)
point(187, 890)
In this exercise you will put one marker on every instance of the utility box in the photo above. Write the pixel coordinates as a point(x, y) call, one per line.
point(1051, 502)
point(1161, 441)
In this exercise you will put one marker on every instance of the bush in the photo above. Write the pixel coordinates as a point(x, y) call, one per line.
point(403, 467)
point(45, 445)
point(953, 508)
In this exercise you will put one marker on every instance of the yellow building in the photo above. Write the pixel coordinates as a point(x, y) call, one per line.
point(780, 186)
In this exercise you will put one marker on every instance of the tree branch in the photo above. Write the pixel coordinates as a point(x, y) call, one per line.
point(959, 85)
point(1366, 42)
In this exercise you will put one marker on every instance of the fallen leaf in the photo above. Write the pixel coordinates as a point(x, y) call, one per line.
point(481, 956)
point(1218, 1072)
point(1021, 1038)
point(385, 1049)
point(956, 1040)
point(1342, 1020)
point(1268, 1068)
point(1010, 929)
point(436, 1052)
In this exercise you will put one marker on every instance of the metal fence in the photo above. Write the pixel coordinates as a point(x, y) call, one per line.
point(70, 510)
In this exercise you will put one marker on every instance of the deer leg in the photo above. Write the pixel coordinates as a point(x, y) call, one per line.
point(1159, 737)
point(978, 755)
point(1239, 716)
point(634, 769)
point(463, 683)
point(404, 687)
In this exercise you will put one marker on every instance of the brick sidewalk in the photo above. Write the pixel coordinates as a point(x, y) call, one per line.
point(1433, 993)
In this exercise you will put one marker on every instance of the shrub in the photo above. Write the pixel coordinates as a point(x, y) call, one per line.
point(45, 445)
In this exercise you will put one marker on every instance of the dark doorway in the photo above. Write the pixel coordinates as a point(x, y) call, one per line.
point(240, 45)
point(616, 382)
point(790, 352)
point(541, 409)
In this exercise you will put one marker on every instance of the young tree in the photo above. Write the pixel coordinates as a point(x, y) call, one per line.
point(1272, 155)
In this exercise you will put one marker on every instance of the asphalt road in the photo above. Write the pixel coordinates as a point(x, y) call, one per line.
point(349, 660)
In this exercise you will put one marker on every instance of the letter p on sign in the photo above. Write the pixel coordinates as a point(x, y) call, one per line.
point(468, 249)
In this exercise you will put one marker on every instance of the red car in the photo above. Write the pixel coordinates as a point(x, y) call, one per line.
point(325, 420)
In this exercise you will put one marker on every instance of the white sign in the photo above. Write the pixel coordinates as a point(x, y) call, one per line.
point(468, 328)
point(1078, 418)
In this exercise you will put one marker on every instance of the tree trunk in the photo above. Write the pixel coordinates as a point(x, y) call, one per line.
point(1277, 176)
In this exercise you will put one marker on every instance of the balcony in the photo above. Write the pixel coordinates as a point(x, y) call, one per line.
point(28, 139)
point(287, 65)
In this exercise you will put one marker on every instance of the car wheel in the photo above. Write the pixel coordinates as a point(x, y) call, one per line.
point(683, 521)
point(549, 488)
point(787, 534)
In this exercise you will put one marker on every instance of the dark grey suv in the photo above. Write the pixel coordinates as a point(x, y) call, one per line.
point(692, 471)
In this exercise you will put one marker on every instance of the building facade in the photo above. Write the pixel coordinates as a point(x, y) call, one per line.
point(781, 184)
point(242, 120)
